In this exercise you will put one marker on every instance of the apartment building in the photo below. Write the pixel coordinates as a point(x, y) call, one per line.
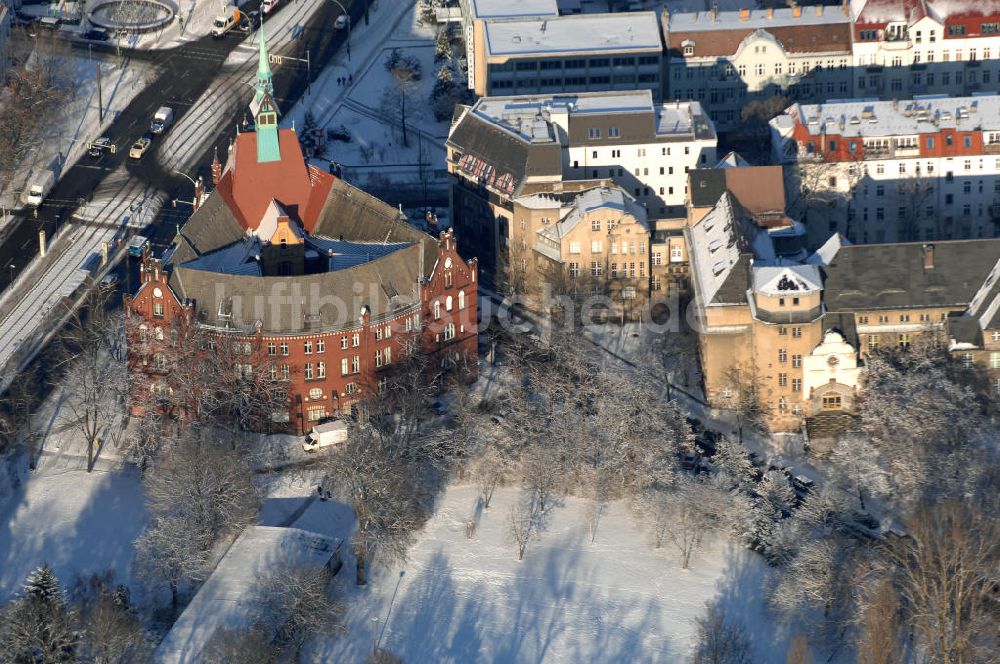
point(573, 53)
point(728, 59)
point(795, 333)
point(889, 171)
point(501, 146)
point(912, 47)
point(590, 242)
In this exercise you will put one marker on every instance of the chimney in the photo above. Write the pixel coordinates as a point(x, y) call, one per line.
point(744, 14)
point(715, 11)
point(819, 10)
point(770, 12)
point(847, 8)
point(928, 256)
point(796, 11)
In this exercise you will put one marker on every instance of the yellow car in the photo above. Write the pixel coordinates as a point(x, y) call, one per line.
point(139, 148)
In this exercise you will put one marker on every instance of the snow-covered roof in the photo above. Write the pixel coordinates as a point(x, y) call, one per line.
point(579, 33)
point(487, 9)
point(706, 21)
point(786, 279)
point(825, 254)
point(532, 116)
point(732, 160)
point(714, 249)
point(231, 595)
point(927, 114)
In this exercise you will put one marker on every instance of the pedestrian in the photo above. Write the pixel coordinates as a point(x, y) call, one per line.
point(319, 490)
point(340, 81)
point(350, 79)
point(329, 496)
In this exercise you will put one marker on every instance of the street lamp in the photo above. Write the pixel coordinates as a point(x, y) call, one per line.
point(12, 268)
point(344, 9)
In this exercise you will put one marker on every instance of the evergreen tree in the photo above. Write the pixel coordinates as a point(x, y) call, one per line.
point(442, 46)
point(43, 584)
point(307, 136)
point(37, 628)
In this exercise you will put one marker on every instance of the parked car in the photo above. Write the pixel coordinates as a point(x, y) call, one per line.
point(139, 147)
point(96, 34)
point(341, 22)
point(50, 23)
point(802, 484)
point(100, 146)
point(268, 6)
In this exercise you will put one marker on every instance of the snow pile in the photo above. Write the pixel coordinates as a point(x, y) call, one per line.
point(616, 599)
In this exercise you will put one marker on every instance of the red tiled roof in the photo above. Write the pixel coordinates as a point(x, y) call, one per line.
point(321, 183)
point(822, 38)
point(249, 186)
point(882, 12)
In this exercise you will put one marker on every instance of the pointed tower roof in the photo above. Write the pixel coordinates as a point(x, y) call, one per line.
point(264, 76)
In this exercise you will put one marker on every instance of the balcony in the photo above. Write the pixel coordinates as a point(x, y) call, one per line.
point(896, 44)
point(991, 148)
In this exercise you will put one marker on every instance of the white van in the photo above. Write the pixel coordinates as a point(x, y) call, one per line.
point(39, 187)
point(162, 119)
point(326, 434)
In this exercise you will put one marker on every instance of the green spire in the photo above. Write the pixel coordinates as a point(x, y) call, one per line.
point(264, 76)
point(264, 109)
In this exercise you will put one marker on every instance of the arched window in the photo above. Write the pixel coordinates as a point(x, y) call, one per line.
point(159, 334)
point(142, 332)
point(437, 310)
point(461, 299)
point(447, 303)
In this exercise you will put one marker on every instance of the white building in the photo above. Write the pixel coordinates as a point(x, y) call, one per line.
point(574, 53)
point(907, 47)
point(887, 171)
point(728, 59)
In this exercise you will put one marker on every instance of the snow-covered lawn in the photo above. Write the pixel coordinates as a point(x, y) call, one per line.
point(80, 523)
point(616, 600)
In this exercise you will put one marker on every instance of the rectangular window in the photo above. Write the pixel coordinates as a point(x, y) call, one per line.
point(157, 310)
point(574, 270)
point(316, 413)
point(284, 348)
point(595, 268)
point(344, 367)
point(309, 371)
point(284, 372)
point(994, 360)
point(782, 355)
point(797, 361)
point(320, 346)
point(574, 247)
point(321, 370)
point(796, 332)
point(307, 347)
point(272, 349)
point(796, 385)
point(782, 380)
point(356, 364)
point(595, 247)
point(355, 339)
point(343, 343)
point(593, 133)
point(782, 330)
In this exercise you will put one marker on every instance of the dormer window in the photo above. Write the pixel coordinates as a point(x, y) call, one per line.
point(688, 46)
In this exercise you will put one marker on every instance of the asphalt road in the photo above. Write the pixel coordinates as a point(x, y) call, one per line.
point(187, 71)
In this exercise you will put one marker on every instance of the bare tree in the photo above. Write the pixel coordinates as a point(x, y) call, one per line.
point(406, 72)
point(721, 640)
point(369, 473)
point(858, 468)
point(798, 651)
point(300, 602)
point(747, 399)
point(879, 639)
point(112, 632)
point(197, 495)
point(90, 369)
point(948, 567)
point(523, 522)
point(229, 646)
point(691, 511)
